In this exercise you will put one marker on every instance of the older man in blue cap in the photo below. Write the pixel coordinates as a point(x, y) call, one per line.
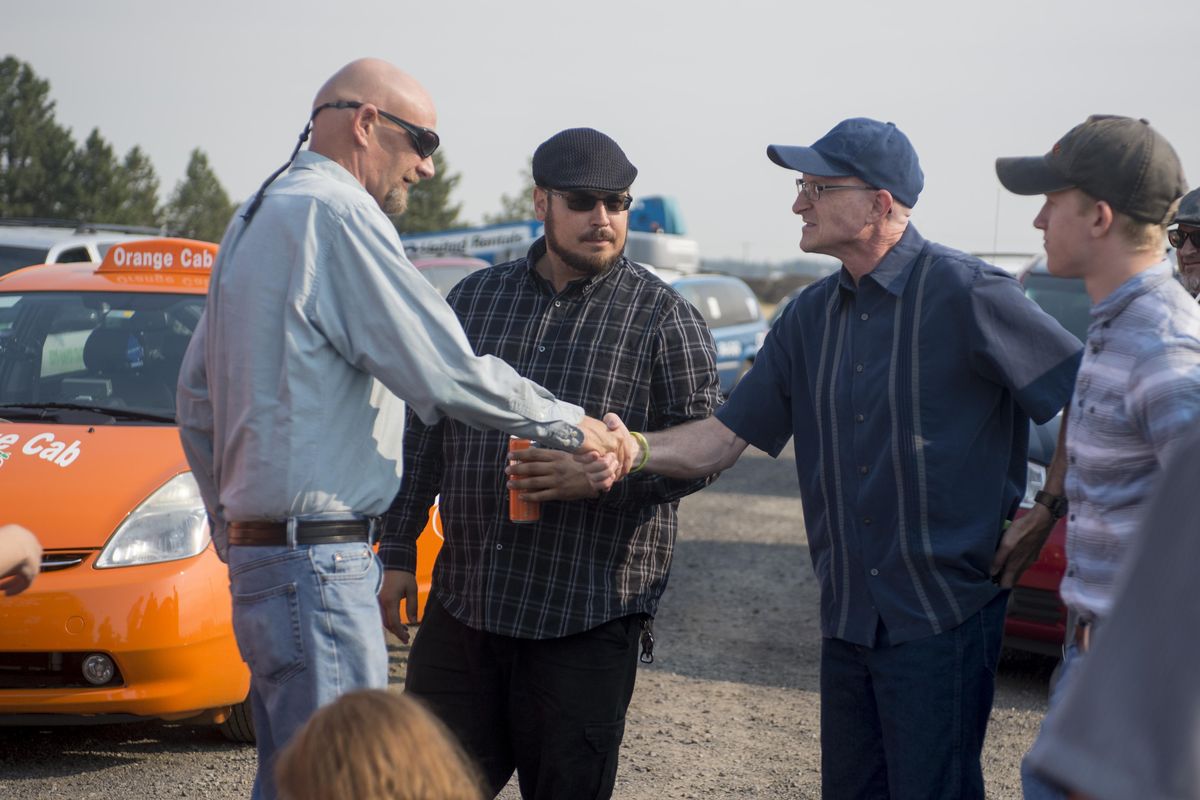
point(907, 380)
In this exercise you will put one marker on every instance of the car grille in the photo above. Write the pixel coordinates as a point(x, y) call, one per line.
point(56, 560)
point(48, 671)
point(1036, 605)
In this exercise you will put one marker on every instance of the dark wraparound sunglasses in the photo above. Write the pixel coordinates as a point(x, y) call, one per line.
point(425, 142)
point(586, 201)
point(1177, 237)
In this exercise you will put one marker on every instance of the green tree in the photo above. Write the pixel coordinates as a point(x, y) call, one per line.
point(516, 207)
point(199, 207)
point(137, 191)
point(96, 177)
point(429, 206)
point(36, 153)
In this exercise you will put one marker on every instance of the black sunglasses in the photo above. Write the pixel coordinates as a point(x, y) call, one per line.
point(1177, 237)
point(586, 201)
point(425, 140)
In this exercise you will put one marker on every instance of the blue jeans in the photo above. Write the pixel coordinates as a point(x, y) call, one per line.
point(908, 720)
point(307, 623)
point(1033, 786)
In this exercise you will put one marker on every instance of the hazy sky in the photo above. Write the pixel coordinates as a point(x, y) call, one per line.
point(693, 91)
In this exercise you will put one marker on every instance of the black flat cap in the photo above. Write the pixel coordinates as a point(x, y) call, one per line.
point(582, 158)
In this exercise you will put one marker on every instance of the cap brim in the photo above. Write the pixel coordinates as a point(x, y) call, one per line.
point(804, 159)
point(1030, 175)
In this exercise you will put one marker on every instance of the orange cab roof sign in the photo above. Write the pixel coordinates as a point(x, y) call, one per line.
point(186, 256)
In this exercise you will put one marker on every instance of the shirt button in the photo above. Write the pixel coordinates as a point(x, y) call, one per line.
point(499, 547)
point(858, 367)
point(863, 469)
point(864, 316)
point(866, 520)
point(541, 348)
point(874, 572)
point(557, 303)
point(859, 417)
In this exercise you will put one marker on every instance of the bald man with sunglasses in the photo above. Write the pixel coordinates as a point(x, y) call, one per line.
point(529, 647)
point(316, 333)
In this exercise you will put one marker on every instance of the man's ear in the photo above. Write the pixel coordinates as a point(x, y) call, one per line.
point(882, 204)
point(365, 118)
point(1102, 219)
point(541, 199)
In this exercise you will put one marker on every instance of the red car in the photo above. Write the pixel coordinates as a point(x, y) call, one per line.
point(1037, 619)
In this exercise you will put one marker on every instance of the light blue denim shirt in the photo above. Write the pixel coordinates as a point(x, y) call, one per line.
point(316, 331)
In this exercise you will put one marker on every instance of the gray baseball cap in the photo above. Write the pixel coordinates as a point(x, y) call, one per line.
point(1120, 160)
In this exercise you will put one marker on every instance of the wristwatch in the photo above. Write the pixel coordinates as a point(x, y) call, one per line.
point(1056, 503)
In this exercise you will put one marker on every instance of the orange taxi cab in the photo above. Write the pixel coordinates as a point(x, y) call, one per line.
point(130, 617)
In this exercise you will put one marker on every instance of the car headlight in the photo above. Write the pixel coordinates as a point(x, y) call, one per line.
point(1035, 480)
point(171, 524)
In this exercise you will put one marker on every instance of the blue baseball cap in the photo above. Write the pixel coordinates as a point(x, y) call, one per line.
point(875, 152)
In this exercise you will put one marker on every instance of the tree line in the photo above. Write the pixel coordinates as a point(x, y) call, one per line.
point(45, 174)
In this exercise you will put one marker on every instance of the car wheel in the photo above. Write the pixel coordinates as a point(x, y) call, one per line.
point(239, 726)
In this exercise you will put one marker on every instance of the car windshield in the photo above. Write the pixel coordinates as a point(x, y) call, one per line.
point(100, 350)
point(12, 257)
point(1065, 299)
point(720, 302)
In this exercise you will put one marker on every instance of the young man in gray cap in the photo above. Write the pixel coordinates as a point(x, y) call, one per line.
point(1185, 238)
point(1112, 184)
point(529, 646)
point(907, 380)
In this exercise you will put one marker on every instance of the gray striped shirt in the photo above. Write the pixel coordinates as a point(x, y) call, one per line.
point(1137, 395)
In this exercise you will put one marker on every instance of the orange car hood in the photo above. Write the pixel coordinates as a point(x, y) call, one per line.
point(72, 485)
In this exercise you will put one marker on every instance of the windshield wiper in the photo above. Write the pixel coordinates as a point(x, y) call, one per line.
point(40, 410)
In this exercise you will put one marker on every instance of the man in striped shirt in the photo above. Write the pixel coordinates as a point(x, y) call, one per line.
point(529, 647)
point(1112, 184)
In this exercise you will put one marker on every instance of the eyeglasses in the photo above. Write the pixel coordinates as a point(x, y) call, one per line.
point(586, 201)
point(1177, 237)
point(425, 140)
point(812, 191)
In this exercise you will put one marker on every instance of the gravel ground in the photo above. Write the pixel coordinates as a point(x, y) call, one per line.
point(728, 709)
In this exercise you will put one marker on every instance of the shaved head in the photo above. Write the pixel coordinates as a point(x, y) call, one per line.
point(373, 80)
point(376, 151)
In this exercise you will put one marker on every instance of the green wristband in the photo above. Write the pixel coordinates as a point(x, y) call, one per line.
point(645, 451)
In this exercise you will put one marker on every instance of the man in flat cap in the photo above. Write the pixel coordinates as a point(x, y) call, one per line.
point(907, 380)
point(1185, 238)
point(1112, 185)
point(529, 646)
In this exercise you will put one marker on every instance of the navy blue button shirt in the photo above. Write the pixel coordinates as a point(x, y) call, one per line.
point(909, 397)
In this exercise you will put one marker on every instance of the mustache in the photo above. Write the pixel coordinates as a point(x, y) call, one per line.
point(599, 236)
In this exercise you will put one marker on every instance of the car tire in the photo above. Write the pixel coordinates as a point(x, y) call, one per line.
point(239, 725)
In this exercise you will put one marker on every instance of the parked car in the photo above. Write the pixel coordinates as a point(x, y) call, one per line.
point(446, 271)
point(1037, 619)
point(24, 242)
point(131, 618)
point(733, 315)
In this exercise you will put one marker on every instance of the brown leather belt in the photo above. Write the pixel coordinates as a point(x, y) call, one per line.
point(267, 534)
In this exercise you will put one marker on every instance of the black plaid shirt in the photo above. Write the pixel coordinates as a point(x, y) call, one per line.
point(623, 342)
